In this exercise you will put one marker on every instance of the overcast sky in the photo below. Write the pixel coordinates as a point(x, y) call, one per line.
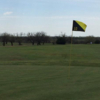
point(51, 16)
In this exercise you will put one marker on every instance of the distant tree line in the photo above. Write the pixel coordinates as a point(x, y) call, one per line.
point(38, 38)
point(41, 38)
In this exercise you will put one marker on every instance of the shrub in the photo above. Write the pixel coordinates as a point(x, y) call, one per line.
point(97, 42)
point(61, 40)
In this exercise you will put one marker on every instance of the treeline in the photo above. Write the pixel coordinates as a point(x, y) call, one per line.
point(38, 38)
point(42, 38)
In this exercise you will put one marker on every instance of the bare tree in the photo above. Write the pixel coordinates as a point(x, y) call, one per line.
point(12, 39)
point(19, 38)
point(5, 38)
point(44, 37)
point(31, 38)
point(38, 38)
point(41, 37)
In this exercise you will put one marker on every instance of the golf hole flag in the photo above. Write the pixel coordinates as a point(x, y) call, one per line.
point(78, 26)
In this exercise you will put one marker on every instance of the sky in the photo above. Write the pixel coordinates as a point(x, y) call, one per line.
point(55, 17)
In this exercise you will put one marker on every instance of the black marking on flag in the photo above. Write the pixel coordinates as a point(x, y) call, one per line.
point(77, 27)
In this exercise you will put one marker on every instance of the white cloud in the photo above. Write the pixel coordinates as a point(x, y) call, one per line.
point(7, 13)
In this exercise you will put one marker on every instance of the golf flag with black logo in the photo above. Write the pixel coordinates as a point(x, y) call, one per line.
point(78, 26)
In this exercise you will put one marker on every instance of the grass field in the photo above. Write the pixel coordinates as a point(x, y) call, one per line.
point(43, 72)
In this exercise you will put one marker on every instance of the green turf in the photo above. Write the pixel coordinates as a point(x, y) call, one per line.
point(43, 72)
point(82, 55)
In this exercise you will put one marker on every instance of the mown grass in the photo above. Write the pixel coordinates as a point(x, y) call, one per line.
point(43, 72)
point(81, 55)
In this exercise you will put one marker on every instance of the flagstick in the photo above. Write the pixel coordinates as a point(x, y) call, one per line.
point(70, 54)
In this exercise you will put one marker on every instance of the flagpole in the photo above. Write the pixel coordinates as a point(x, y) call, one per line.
point(70, 54)
point(77, 26)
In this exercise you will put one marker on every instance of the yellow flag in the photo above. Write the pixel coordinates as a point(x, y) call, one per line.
point(78, 26)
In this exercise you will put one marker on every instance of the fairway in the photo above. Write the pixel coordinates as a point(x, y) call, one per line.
point(43, 72)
